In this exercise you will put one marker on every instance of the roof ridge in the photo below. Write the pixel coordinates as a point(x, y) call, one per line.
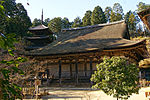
point(41, 26)
point(93, 26)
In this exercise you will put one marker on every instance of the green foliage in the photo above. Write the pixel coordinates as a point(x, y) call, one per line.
point(9, 90)
point(117, 8)
point(77, 22)
point(117, 77)
point(46, 21)
point(87, 18)
point(36, 22)
point(115, 17)
point(65, 23)
point(116, 13)
point(7, 41)
point(16, 19)
point(142, 6)
point(108, 11)
point(98, 16)
point(132, 20)
point(1, 9)
point(55, 24)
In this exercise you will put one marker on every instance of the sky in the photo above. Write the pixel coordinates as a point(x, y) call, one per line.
point(72, 8)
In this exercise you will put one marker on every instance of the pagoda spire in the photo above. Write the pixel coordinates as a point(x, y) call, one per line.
point(42, 17)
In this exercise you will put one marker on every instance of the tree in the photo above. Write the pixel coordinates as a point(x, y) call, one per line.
point(117, 77)
point(65, 23)
point(108, 11)
point(10, 7)
point(55, 25)
point(132, 24)
point(117, 8)
point(117, 13)
point(140, 30)
point(36, 22)
point(1, 9)
point(98, 16)
point(142, 6)
point(132, 20)
point(16, 19)
point(20, 23)
point(46, 21)
point(87, 18)
point(9, 68)
point(77, 22)
point(115, 17)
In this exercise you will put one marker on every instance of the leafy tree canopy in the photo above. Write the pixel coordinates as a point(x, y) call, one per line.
point(117, 8)
point(117, 13)
point(77, 22)
point(117, 77)
point(55, 25)
point(36, 22)
point(65, 23)
point(132, 19)
point(108, 11)
point(87, 18)
point(9, 68)
point(16, 19)
point(98, 16)
point(142, 6)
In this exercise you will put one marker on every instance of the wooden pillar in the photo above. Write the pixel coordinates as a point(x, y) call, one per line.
point(85, 67)
point(91, 70)
point(60, 72)
point(70, 69)
point(76, 68)
point(91, 67)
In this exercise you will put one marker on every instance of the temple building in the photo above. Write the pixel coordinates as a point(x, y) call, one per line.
point(76, 51)
point(41, 36)
point(145, 64)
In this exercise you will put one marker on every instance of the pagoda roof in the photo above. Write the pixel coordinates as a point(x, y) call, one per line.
point(88, 39)
point(39, 27)
point(37, 37)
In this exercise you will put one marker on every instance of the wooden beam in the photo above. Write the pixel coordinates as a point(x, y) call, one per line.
point(60, 72)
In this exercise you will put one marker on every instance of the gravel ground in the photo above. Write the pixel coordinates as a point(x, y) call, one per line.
point(85, 94)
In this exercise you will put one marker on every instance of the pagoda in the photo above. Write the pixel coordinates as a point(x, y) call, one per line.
point(42, 36)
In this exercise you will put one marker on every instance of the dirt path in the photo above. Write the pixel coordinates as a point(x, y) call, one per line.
point(85, 94)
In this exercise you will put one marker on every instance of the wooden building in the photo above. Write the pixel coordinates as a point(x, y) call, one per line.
point(42, 36)
point(145, 64)
point(76, 52)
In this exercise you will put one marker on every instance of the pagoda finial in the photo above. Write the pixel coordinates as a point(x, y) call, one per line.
point(42, 17)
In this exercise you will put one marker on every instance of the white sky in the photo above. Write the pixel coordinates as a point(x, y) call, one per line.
point(72, 8)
